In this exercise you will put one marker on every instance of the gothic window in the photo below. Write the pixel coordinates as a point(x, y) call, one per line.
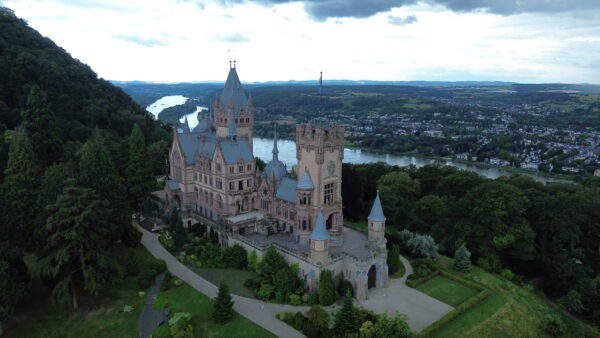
point(219, 183)
point(328, 196)
point(241, 169)
point(231, 170)
point(249, 167)
point(240, 185)
point(247, 120)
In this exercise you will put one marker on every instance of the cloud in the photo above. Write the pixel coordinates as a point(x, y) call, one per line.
point(141, 40)
point(400, 21)
point(232, 37)
point(321, 10)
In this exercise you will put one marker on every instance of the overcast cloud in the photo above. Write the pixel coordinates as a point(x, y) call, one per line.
point(192, 40)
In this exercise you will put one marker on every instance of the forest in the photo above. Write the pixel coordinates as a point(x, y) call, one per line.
point(77, 157)
point(549, 234)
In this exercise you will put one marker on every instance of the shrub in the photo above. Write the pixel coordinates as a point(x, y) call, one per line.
point(265, 292)
point(182, 328)
point(393, 259)
point(167, 282)
point(294, 299)
point(318, 316)
point(572, 302)
point(462, 259)
point(131, 237)
point(179, 316)
point(347, 319)
point(345, 287)
point(253, 262)
point(313, 299)
point(393, 327)
point(490, 263)
point(253, 283)
point(554, 326)
point(326, 289)
point(507, 274)
point(235, 257)
point(127, 308)
point(422, 246)
point(422, 268)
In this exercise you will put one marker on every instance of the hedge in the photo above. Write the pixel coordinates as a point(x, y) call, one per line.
point(413, 283)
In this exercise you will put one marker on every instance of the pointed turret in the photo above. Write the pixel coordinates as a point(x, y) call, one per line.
point(377, 224)
point(319, 240)
point(305, 182)
point(233, 91)
point(275, 170)
point(275, 150)
point(186, 125)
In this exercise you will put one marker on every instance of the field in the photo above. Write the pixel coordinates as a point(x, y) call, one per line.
point(446, 290)
point(38, 318)
point(234, 278)
point(187, 299)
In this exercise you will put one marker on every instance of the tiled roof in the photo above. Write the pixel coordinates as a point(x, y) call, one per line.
point(234, 150)
point(376, 214)
point(233, 91)
point(319, 232)
point(286, 190)
point(305, 182)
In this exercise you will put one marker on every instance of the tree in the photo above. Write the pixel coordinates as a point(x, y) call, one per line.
point(326, 289)
point(271, 263)
point(462, 260)
point(318, 316)
point(393, 259)
point(139, 171)
point(177, 230)
point(235, 257)
point(347, 320)
point(253, 262)
point(41, 126)
point(20, 191)
point(78, 247)
point(423, 246)
point(395, 327)
point(398, 192)
point(14, 282)
point(223, 305)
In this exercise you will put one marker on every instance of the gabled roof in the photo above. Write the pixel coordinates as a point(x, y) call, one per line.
point(233, 91)
point(234, 150)
point(286, 190)
point(196, 143)
point(319, 232)
point(305, 182)
point(376, 214)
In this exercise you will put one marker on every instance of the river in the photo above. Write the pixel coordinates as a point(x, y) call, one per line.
point(287, 154)
point(164, 103)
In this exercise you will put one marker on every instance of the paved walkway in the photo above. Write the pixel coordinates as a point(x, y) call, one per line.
point(259, 312)
point(421, 309)
point(152, 317)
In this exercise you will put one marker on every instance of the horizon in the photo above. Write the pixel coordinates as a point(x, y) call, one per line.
point(177, 41)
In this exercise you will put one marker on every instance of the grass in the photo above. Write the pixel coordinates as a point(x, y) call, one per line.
point(446, 290)
point(234, 278)
point(38, 318)
point(362, 225)
point(510, 311)
point(187, 299)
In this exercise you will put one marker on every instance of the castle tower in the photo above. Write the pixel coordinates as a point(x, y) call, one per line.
point(233, 104)
point(319, 241)
point(320, 150)
point(377, 224)
point(304, 207)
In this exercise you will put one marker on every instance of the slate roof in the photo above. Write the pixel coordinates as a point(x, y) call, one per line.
point(173, 184)
point(233, 91)
point(305, 182)
point(286, 190)
point(192, 143)
point(234, 150)
point(319, 232)
point(275, 169)
point(376, 214)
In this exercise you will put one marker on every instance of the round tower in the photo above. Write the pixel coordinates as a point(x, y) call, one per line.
point(377, 224)
point(319, 241)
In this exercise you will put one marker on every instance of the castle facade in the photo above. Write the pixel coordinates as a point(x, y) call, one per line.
point(213, 175)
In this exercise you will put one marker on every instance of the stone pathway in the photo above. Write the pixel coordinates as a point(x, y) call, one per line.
point(152, 317)
point(421, 309)
point(257, 311)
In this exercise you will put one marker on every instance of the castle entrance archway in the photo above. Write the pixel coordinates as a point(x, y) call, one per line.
point(372, 277)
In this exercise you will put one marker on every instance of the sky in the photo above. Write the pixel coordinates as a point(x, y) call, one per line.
point(528, 41)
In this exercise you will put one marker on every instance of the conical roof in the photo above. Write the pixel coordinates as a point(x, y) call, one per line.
point(186, 125)
point(305, 182)
point(319, 232)
point(233, 91)
point(376, 214)
point(275, 169)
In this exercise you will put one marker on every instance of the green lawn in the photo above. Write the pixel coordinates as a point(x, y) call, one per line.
point(187, 299)
point(446, 290)
point(510, 310)
point(234, 278)
point(38, 318)
point(360, 225)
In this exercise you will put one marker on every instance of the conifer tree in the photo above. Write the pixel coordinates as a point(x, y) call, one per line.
point(462, 261)
point(393, 259)
point(223, 305)
point(177, 230)
point(41, 126)
point(347, 320)
point(139, 171)
point(78, 246)
point(20, 190)
point(326, 289)
point(271, 263)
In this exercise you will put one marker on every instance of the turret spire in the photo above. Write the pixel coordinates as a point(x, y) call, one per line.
point(186, 125)
point(275, 150)
point(376, 214)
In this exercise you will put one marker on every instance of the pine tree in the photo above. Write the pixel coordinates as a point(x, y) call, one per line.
point(177, 230)
point(271, 263)
point(20, 190)
point(253, 262)
point(139, 170)
point(326, 289)
point(41, 126)
point(78, 246)
point(347, 320)
point(393, 259)
point(462, 261)
point(223, 305)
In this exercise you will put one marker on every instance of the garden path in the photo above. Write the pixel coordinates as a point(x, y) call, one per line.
point(152, 317)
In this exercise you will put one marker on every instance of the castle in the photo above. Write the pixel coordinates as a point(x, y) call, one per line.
point(214, 177)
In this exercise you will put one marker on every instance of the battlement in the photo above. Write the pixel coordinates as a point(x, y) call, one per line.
point(319, 135)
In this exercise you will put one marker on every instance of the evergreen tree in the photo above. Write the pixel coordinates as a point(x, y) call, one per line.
point(393, 259)
point(14, 281)
point(41, 126)
point(20, 190)
point(462, 261)
point(347, 319)
point(177, 230)
point(97, 172)
point(223, 305)
point(78, 246)
point(326, 289)
point(253, 262)
point(271, 263)
point(139, 171)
